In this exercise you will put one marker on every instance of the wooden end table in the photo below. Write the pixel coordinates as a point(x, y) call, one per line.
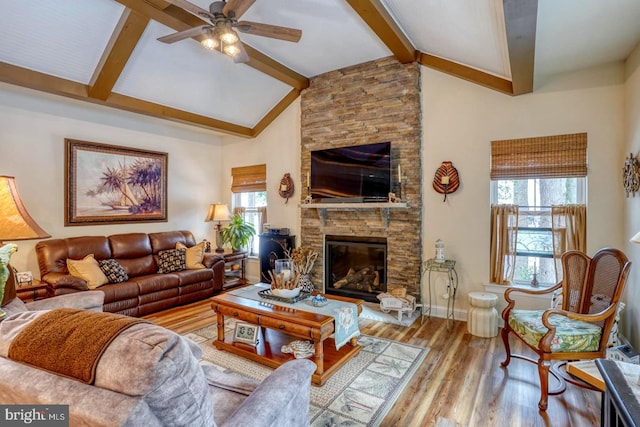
point(279, 326)
point(36, 290)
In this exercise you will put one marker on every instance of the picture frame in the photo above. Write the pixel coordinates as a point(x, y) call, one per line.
point(24, 278)
point(109, 184)
point(246, 333)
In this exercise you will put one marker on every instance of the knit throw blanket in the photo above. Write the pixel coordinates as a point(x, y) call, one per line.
point(68, 341)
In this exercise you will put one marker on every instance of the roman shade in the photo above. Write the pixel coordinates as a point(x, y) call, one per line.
point(558, 156)
point(249, 178)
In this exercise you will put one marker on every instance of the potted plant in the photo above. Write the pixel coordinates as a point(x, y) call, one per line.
point(237, 233)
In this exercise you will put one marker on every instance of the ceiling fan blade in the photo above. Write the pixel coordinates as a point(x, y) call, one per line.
point(190, 7)
point(242, 56)
point(181, 35)
point(267, 30)
point(235, 8)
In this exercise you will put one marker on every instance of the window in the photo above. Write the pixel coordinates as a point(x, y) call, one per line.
point(251, 206)
point(534, 198)
point(538, 195)
point(249, 188)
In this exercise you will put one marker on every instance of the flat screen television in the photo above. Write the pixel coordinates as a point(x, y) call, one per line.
point(360, 173)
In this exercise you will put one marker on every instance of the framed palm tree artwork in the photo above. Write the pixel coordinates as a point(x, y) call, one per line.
point(107, 184)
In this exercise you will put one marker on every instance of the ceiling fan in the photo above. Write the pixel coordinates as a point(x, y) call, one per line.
point(220, 35)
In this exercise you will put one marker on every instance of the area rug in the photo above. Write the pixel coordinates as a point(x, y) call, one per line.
point(372, 311)
point(359, 394)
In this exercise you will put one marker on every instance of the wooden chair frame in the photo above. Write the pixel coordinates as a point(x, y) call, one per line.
point(605, 316)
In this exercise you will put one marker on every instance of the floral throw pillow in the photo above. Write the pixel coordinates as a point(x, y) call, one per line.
point(113, 270)
point(171, 260)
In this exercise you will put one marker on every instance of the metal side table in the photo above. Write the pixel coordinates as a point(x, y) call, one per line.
point(448, 267)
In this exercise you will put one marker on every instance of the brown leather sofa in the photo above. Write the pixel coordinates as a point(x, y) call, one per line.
point(146, 291)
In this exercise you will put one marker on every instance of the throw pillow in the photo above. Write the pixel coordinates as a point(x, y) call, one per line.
point(113, 270)
point(88, 270)
point(171, 260)
point(193, 255)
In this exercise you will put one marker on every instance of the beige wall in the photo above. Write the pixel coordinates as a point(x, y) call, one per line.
point(278, 147)
point(631, 315)
point(33, 127)
point(460, 120)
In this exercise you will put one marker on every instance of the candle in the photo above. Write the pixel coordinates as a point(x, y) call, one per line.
point(286, 275)
point(399, 173)
point(308, 180)
point(444, 180)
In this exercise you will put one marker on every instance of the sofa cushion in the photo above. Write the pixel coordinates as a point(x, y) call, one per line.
point(168, 239)
point(113, 270)
point(156, 282)
point(171, 260)
point(129, 245)
point(88, 270)
point(193, 255)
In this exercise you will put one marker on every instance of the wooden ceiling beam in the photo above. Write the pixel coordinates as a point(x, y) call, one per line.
point(123, 41)
point(374, 14)
point(45, 83)
point(520, 19)
point(179, 20)
point(467, 73)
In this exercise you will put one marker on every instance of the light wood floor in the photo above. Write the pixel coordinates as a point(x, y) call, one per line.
point(460, 383)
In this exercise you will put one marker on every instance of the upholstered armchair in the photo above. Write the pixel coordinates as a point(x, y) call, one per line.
point(591, 290)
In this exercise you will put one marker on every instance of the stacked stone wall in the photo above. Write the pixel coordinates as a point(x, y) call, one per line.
point(372, 102)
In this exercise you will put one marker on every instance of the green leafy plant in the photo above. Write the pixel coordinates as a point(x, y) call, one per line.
point(237, 233)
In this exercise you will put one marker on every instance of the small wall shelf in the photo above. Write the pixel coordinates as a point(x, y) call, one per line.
point(382, 207)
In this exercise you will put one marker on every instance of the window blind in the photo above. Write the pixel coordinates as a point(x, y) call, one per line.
point(249, 178)
point(558, 156)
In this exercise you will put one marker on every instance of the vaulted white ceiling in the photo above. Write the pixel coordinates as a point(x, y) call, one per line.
point(106, 51)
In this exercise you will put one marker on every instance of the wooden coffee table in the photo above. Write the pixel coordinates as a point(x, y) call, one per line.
point(279, 326)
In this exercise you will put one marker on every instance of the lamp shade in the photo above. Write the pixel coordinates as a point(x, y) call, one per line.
point(218, 212)
point(15, 221)
point(635, 238)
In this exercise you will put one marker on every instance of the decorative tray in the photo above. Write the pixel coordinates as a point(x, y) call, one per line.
point(268, 295)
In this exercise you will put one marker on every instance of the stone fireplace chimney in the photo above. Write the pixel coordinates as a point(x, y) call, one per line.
point(371, 102)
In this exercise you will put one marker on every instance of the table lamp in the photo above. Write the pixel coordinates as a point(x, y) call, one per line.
point(15, 224)
point(218, 212)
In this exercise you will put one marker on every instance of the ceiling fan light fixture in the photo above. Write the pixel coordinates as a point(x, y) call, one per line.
point(228, 36)
point(231, 50)
point(209, 41)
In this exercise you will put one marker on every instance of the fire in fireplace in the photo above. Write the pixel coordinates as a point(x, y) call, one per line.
point(355, 266)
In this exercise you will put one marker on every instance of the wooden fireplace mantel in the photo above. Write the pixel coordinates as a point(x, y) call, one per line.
point(383, 208)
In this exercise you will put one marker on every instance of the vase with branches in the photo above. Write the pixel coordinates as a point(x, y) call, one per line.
point(303, 259)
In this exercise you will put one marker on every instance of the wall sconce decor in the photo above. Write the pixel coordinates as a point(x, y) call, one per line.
point(631, 175)
point(286, 187)
point(446, 180)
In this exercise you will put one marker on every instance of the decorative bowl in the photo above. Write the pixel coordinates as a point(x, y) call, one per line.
point(286, 293)
point(319, 300)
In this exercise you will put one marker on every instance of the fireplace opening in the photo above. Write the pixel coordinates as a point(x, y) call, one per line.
point(355, 267)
